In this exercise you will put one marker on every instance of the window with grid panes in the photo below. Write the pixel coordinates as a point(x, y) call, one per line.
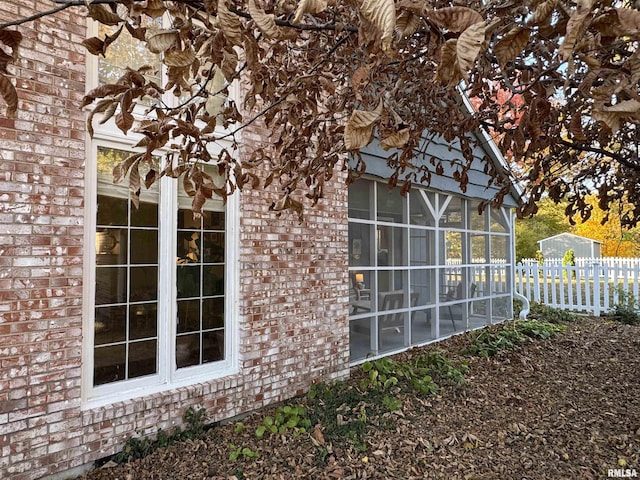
point(159, 314)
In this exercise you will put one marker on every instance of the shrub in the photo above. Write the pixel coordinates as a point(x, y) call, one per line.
point(569, 258)
point(540, 311)
point(626, 310)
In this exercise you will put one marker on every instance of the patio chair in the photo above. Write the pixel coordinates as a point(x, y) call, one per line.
point(458, 294)
point(394, 301)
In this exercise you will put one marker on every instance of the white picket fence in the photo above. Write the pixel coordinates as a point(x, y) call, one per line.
point(582, 261)
point(593, 286)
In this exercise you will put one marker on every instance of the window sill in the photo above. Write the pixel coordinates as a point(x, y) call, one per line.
point(128, 391)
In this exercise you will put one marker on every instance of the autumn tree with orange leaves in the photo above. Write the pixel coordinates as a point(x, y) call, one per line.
point(328, 76)
point(606, 228)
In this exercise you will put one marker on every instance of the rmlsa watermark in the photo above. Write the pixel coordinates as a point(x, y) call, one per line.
point(622, 473)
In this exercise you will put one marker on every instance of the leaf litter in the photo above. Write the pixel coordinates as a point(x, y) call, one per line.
point(564, 407)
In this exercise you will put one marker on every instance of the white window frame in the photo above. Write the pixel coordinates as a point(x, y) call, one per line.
point(168, 376)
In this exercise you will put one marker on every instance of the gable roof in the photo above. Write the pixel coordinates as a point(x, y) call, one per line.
point(566, 234)
point(436, 146)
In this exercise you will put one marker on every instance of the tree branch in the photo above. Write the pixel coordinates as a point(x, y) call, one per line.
point(600, 151)
point(36, 16)
point(300, 26)
point(284, 97)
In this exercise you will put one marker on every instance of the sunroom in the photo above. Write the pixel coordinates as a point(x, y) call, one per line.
point(426, 265)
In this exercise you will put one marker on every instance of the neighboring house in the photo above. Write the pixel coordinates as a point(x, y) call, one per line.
point(114, 320)
point(557, 245)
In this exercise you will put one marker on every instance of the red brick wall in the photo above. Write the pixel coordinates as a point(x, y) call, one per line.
point(293, 317)
point(294, 289)
point(42, 155)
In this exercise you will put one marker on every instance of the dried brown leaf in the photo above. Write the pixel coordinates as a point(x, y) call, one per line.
point(179, 58)
point(592, 62)
point(358, 77)
point(627, 107)
point(135, 184)
point(309, 6)
point(396, 140)
point(575, 127)
point(160, 39)
point(229, 64)
point(448, 69)
point(187, 185)
point(199, 200)
point(150, 178)
point(328, 85)
point(455, 19)
point(618, 22)
point(317, 435)
point(12, 39)
point(469, 46)
point(9, 94)
point(94, 45)
point(121, 169)
point(103, 14)
point(610, 119)
point(407, 24)
point(251, 49)
point(124, 121)
point(153, 8)
point(629, 20)
point(265, 22)
point(416, 7)
point(97, 46)
point(381, 14)
point(511, 45)
point(109, 112)
point(136, 32)
point(543, 12)
point(4, 61)
point(633, 64)
point(451, 440)
point(575, 29)
point(359, 128)
point(101, 106)
point(102, 91)
point(109, 39)
point(229, 23)
point(287, 203)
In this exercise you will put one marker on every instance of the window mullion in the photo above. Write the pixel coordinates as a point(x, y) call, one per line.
point(167, 278)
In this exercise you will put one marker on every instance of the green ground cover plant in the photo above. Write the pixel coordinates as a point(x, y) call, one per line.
point(550, 314)
point(490, 341)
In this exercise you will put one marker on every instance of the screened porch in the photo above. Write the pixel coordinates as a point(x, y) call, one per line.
point(423, 267)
